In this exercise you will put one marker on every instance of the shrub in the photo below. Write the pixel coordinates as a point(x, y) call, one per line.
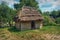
point(49, 21)
point(58, 20)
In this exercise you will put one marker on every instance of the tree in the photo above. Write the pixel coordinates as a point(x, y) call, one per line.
point(58, 13)
point(54, 14)
point(6, 13)
point(58, 20)
point(32, 3)
point(46, 13)
point(3, 11)
point(11, 14)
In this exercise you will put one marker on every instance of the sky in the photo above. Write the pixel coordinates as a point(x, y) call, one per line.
point(44, 5)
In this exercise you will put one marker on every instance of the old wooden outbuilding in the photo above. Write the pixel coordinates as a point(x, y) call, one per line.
point(28, 18)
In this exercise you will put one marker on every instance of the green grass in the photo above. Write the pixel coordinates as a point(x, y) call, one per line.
point(51, 29)
point(38, 34)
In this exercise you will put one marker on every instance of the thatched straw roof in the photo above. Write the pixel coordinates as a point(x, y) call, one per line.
point(28, 14)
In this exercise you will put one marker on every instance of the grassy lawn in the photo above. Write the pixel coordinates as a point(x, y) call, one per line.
point(46, 33)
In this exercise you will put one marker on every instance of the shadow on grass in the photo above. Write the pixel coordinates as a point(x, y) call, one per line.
point(13, 29)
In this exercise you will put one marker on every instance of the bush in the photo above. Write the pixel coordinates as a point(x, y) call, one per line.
point(58, 20)
point(13, 29)
point(49, 21)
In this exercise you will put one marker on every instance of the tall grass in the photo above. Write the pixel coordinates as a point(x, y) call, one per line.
point(14, 34)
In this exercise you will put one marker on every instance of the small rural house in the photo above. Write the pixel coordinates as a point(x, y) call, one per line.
point(28, 18)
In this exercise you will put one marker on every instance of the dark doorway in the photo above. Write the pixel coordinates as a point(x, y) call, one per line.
point(32, 24)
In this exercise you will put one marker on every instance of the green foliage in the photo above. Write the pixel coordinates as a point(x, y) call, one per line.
point(55, 14)
point(49, 21)
point(13, 29)
point(32, 3)
point(6, 14)
point(51, 18)
point(58, 20)
point(46, 13)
